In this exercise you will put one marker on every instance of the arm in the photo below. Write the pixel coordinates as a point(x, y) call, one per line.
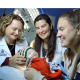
point(17, 60)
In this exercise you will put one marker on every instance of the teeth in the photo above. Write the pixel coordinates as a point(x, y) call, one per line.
point(42, 34)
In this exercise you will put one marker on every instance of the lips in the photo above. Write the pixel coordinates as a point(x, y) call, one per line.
point(62, 39)
point(43, 33)
point(15, 36)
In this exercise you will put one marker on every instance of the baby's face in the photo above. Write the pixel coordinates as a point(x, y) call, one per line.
point(32, 54)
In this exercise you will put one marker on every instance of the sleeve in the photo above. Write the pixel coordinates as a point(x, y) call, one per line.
point(5, 62)
point(2, 60)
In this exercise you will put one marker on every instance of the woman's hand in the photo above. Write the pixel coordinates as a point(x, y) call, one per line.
point(29, 73)
point(32, 74)
point(17, 60)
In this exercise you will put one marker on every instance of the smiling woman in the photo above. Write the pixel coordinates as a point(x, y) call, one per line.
point(11, 28)
point(45, 36)
point(69, 32)
point(47, 46)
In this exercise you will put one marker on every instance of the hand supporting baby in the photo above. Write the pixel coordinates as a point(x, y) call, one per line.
point(28, 53)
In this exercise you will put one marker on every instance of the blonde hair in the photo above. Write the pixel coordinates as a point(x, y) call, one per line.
point(7, 20)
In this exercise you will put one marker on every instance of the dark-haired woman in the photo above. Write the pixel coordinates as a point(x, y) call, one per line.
point(46, 43)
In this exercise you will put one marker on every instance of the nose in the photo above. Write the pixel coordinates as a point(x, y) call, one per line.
point(40, 30)
point(17, 32)
point(58, 34)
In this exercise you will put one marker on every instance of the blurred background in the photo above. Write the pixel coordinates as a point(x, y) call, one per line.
point(29, 14)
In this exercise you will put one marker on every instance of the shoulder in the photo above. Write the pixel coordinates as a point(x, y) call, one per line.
point(32, 44)
point(2, 41)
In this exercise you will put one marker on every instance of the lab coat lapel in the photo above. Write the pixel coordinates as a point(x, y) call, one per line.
point(4, 47)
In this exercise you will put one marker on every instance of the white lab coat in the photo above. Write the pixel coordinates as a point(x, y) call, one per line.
point(10, 73)
point(5, 52)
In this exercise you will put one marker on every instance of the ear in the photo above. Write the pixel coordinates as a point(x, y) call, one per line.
point(78, 29)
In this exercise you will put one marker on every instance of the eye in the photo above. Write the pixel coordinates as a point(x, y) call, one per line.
point(61, 28)
point(37, 28)
point(43, 25)
point(20, 30)
point(14, 29)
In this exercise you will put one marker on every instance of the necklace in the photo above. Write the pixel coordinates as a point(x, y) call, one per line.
point(45, 52)
point(12, 47)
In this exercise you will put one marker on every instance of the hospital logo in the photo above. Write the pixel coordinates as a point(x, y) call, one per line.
point(3, 53)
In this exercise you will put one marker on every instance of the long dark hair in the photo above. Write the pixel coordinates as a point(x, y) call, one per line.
point(52, 37)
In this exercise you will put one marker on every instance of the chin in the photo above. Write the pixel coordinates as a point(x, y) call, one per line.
point(43, 38)
point(63, 45)
point(14, 38)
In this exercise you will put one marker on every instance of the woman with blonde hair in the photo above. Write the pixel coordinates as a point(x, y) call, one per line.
point(11, 29)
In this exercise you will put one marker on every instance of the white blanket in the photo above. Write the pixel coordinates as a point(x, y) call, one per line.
point(10, 73)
